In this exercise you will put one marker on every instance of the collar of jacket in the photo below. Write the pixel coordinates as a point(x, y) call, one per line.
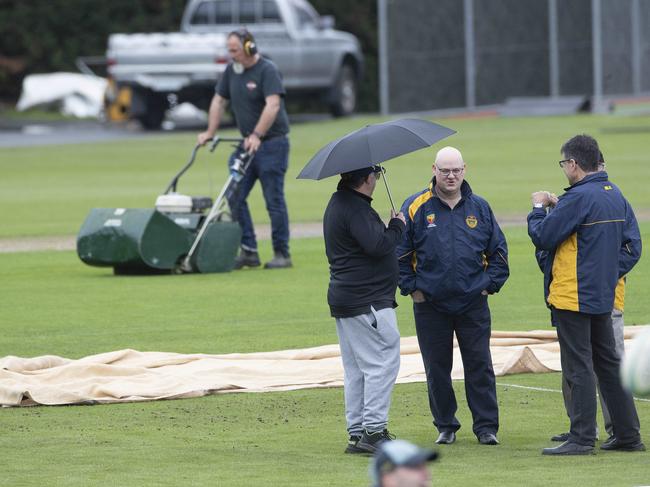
point(344, 187)
point(591, 177)
point(465, 189)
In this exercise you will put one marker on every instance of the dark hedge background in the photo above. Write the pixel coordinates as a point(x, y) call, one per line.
point(41, 36)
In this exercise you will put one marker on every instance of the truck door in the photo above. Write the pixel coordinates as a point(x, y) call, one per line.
point(316, 59)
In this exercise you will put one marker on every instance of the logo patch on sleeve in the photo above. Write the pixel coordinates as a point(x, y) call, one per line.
point(607, 188)
point(471, 221)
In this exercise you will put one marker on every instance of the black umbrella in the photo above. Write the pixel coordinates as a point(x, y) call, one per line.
point(372, 145)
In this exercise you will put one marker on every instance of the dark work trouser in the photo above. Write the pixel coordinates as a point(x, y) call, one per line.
point(618, 326)
point(435, 332)
point(269, 166)
point(587, 346)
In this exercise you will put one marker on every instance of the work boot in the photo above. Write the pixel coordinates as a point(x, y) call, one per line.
point(247, 258)
point(279, 261)
point(369, 442)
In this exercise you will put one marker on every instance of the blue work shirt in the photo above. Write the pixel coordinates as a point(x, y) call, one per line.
point(451, 256)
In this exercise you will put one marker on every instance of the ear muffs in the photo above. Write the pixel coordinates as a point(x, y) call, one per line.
point(247, 42)
point(250, 48)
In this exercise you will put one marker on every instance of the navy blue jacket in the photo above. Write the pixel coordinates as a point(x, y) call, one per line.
point(592, 238)
point(451, 255)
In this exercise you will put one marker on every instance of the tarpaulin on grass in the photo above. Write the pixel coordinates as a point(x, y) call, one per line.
point(129, 375)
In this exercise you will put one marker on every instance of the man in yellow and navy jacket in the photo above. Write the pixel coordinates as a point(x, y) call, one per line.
point(452, 256)
point(618, 323)
point(593, 240)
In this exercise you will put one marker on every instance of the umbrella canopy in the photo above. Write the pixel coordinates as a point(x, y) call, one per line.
point(373, 144)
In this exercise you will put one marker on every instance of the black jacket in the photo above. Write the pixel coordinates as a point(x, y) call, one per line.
point(361, 253)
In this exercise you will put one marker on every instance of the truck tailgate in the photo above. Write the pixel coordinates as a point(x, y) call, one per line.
point(166, 61)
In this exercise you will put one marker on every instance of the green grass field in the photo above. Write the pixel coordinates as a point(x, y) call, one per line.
point(53, 304)
point(49, 190)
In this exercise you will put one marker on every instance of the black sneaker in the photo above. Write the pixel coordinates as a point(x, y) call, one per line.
point(369, 442)
point(352, 445)
point(247, 258)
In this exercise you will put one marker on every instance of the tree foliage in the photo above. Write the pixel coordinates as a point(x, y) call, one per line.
point(360, 18)
point(41, 36)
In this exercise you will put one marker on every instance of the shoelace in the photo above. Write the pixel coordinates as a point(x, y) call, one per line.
point(389, 436)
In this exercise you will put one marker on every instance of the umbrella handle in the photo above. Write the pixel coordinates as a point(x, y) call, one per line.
point(390, 196)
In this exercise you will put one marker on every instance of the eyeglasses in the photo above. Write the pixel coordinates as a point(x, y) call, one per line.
point(378, 170)
point(561, 163)
point(455, 171)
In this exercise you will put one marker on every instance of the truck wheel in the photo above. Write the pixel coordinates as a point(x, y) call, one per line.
point(155, 107)
point(344, 96)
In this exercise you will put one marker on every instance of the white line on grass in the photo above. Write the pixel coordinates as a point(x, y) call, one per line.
point(543, 389)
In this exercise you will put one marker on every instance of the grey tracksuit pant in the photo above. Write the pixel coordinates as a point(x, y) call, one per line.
point(619, 332)
point(371, 356)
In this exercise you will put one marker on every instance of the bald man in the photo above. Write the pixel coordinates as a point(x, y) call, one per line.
point(453, 255)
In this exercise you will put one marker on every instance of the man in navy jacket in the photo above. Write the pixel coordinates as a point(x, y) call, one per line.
point(593, 240)
point(452, 256)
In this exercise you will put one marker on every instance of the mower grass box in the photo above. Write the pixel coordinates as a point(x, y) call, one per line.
point(145, 241)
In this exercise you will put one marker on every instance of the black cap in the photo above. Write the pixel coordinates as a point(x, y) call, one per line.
point(360, 173)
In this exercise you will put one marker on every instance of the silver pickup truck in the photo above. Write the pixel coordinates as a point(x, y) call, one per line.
point(160, 68)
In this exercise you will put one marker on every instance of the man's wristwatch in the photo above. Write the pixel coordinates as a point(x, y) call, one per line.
point(257, 134)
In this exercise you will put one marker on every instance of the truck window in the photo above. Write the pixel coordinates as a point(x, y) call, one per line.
point(201, 15)
point(270, 12)
point(306, 18)
point(223, 12)
point(247, 12)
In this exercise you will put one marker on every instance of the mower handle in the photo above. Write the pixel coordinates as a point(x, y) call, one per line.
point(213, 146)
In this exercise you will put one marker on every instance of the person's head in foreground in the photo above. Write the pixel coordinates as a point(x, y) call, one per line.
point(399, 463)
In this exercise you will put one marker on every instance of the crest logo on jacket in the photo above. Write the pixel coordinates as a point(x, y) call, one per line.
point(431, 220)
point(471, 221)
point(251, 85)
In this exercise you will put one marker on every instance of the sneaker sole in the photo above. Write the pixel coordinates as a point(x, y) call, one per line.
point(354, 450)
point(366, 448)
point(570, 454)
point(625, 449)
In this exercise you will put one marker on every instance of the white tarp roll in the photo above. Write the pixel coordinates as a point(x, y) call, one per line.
point(79, 95)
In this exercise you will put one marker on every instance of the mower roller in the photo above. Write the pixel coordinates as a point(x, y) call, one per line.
point(181, 234)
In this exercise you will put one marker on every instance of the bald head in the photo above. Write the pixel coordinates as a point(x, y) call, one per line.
point(449, 155)
point(449, 170)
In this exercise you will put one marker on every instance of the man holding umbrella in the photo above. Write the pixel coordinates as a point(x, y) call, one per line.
point(363, 267)
point(361, 295)
point(452, 256)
